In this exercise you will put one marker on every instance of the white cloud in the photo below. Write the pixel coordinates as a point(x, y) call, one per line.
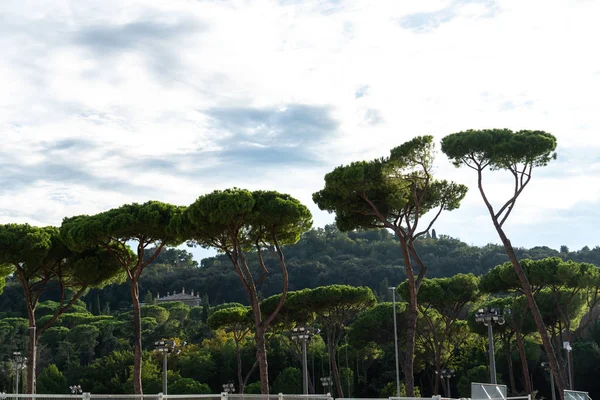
point(137, 84)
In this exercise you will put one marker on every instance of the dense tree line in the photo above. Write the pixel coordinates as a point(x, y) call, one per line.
point(323, 256)
point(356, 338)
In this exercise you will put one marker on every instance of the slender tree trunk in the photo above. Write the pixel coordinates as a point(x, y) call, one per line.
point(137, 343)
point(509, 364)
point(411, 323)
point(261, 356)
point(524, 365)
point(334, 368)
point(438, 370)
point(31, 353)
point(560, 378)
point(411, 329)
point(239, 367)
point(535, 311)
point(248, 376)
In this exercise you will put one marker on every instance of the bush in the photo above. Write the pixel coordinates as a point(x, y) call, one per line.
point(188, 386)
point(252, 388)
point(289, 381)
point(51, 380)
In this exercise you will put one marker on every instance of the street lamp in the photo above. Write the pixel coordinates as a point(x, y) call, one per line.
point(326, 382)
point(166, 347)
point(393, 289)
point(229, 387)
point(568, 348)
point(19, 364)
point(304, 334)
point(546, 366)
point(488, 317)
point(447, 373)
point(76, 389)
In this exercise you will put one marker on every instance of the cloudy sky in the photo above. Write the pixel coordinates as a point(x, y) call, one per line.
point(116, 101)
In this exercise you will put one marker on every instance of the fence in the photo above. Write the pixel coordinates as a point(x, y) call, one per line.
point(569, 395)
point(160, 396)
point(576, 395)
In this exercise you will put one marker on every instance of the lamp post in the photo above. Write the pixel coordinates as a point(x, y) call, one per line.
point(393, 289)
point(488, 317)
point(229, 387)
point(447, 373)
point(326, 382)
point(166, 347)
point(76, 389)
point(304, 334)
point(546, 366)
point(19, 364)
point(568, 348)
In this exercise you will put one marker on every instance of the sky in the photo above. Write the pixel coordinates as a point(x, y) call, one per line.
point(109, 102)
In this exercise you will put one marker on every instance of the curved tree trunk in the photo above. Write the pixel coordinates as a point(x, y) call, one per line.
point(137, 342)
point(524, 365)
point(334, 368)
point(560, 378)
point(411, 323)
point(248, 376)
point(261, 356)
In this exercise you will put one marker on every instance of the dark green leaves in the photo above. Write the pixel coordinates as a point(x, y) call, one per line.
point(149, 222)
point(239, 217)
point(24, 244)
point(499, 148)
point(388, 191)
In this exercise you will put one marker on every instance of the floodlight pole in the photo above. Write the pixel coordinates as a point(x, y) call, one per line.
point(567, 347)
point(488, 317)
point(546, 366)
point(492, 358)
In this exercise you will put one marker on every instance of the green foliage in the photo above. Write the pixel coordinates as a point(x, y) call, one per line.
point(234, 318)
point(289, 381)
point(387, 191)
point(148, 299)
point(339, 303)
point(475, 374)
point(296, 310)
point(5, 270)
point(160, 314)
point(168, 305)
point(587, 366)
point(52, 381)
point(252, 388)
point(150, 220)
point(499, 148)
point(188, 386)
point(179, 313)
point(389, 390)
point(376, 324)
point(448, 296)
point(249, 217)
point(218, 307)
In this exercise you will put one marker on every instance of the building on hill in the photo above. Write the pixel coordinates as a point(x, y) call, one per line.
point(190, 300)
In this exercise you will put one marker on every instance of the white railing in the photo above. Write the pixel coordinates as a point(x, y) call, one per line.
point(574, 395)
point(160, 396)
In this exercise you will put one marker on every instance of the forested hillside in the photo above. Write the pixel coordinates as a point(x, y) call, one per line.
point(322, 257)
point(352, 270)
